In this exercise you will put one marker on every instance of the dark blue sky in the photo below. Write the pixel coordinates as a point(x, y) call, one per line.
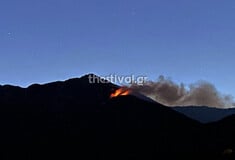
point(187, 40)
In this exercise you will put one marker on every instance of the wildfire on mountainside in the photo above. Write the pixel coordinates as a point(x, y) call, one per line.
point(123, 91)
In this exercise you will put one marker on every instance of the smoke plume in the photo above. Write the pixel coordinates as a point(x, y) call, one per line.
point(170, 93)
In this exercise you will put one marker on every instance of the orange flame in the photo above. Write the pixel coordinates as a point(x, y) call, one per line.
point(120, 92)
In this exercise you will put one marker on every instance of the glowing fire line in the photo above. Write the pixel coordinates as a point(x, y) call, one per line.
point(120, 92)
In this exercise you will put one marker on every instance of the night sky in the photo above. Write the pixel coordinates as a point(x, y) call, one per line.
point(187, 40)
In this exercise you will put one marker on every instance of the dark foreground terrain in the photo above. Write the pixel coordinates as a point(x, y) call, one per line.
point(78, 120)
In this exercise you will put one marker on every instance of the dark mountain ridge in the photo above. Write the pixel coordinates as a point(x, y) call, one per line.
point(75, 118)
point(205, 114)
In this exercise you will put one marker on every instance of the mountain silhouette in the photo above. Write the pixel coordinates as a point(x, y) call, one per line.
point(205, 114)
point(75, 119)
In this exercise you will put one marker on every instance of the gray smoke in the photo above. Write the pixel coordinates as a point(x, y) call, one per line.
point(201, 93)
